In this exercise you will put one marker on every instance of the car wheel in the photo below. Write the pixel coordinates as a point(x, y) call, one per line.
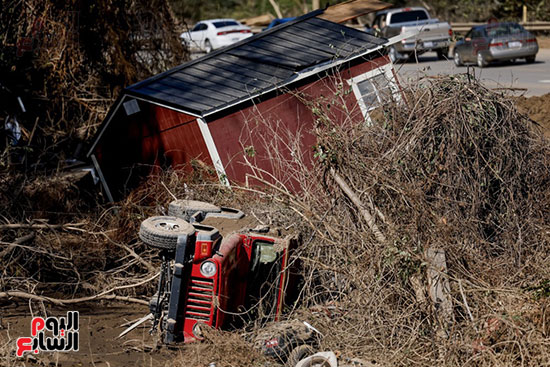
point(442, 54)
point(163, 232)
point(299, 353)
point(208, 46)
point(530, 59)
point(393, 55)
point(481, 62)
point(457, 59)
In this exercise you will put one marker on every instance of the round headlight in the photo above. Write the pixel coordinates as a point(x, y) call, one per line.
point(208, 269)
point(197, 330)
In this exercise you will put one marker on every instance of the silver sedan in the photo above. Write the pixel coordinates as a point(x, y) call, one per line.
point(495, 42)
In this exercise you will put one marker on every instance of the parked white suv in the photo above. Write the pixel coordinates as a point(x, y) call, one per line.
point(208, 35)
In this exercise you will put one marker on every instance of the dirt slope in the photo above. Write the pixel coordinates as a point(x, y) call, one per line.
point(538, 109)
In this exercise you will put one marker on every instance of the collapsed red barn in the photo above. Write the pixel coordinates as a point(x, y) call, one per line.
point(217, 108)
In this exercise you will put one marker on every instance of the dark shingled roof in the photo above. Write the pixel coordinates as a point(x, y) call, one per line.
point(254, 65)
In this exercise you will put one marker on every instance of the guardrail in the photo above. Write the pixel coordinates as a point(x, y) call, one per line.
point(530, 26)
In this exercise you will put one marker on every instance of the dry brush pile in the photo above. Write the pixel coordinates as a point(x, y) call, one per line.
point(455, 170)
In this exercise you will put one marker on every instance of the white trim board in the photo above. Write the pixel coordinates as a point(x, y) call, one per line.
point(213, 151)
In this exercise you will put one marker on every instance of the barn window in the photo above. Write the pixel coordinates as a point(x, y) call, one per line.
point(374, 88)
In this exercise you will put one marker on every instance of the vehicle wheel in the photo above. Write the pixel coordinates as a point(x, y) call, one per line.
point(163, 232)
point(393, 55)
point(186, 208)
point(299, 353)
point(457, 59)
point(443, 54)
point(530, 59)
point(208, 46)
point(481, 62)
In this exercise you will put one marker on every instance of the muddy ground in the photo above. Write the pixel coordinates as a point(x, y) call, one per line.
point(100, 324)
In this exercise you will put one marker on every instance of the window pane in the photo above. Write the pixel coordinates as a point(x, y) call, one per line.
point(382, 86)
point(368, 94)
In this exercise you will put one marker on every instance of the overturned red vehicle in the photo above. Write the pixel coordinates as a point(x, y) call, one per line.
point(207, 279)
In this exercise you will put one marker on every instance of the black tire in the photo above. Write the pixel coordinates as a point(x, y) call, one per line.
point(186, 208)
point(299, 353)
point(530, 59)
point(208, 46)
point(443, 54)
point(457, 59)
point(163, 232)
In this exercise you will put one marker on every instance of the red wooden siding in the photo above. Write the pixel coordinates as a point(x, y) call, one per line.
point(133, 146)
point(287, 114)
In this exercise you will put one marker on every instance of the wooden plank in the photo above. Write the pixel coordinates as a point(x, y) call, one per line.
point(352, 9)
point(440, 290)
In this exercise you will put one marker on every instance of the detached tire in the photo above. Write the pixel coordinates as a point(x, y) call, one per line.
point(186, 208)
point(162, 232)
point(299, 353)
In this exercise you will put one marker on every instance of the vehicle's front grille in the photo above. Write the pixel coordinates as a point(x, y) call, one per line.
point(199, 299)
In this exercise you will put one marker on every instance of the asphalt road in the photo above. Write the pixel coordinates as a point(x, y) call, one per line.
point(532, 79)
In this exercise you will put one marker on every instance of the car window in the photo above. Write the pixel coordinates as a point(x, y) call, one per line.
point(196, 27)
point(408, 16)
point(225, 23)
point(478, 33)
point(504, 29)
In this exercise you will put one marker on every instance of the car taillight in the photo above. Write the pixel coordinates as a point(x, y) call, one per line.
point(497, 44)
point(450, 32)
point(531, 40)
point(246, 31)
point(221, 33)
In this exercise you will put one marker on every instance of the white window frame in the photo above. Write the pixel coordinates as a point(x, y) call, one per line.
point(387, 71)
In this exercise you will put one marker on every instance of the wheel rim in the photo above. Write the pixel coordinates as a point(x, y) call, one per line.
point(393, 54)
point(480, 61)
point(168, 226)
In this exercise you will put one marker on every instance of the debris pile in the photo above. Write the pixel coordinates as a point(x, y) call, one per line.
point(429, 230)
point(425, 236)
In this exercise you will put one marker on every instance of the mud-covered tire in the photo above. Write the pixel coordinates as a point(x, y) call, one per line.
point(186, 208)
point(299, 353)
point(163, 232)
